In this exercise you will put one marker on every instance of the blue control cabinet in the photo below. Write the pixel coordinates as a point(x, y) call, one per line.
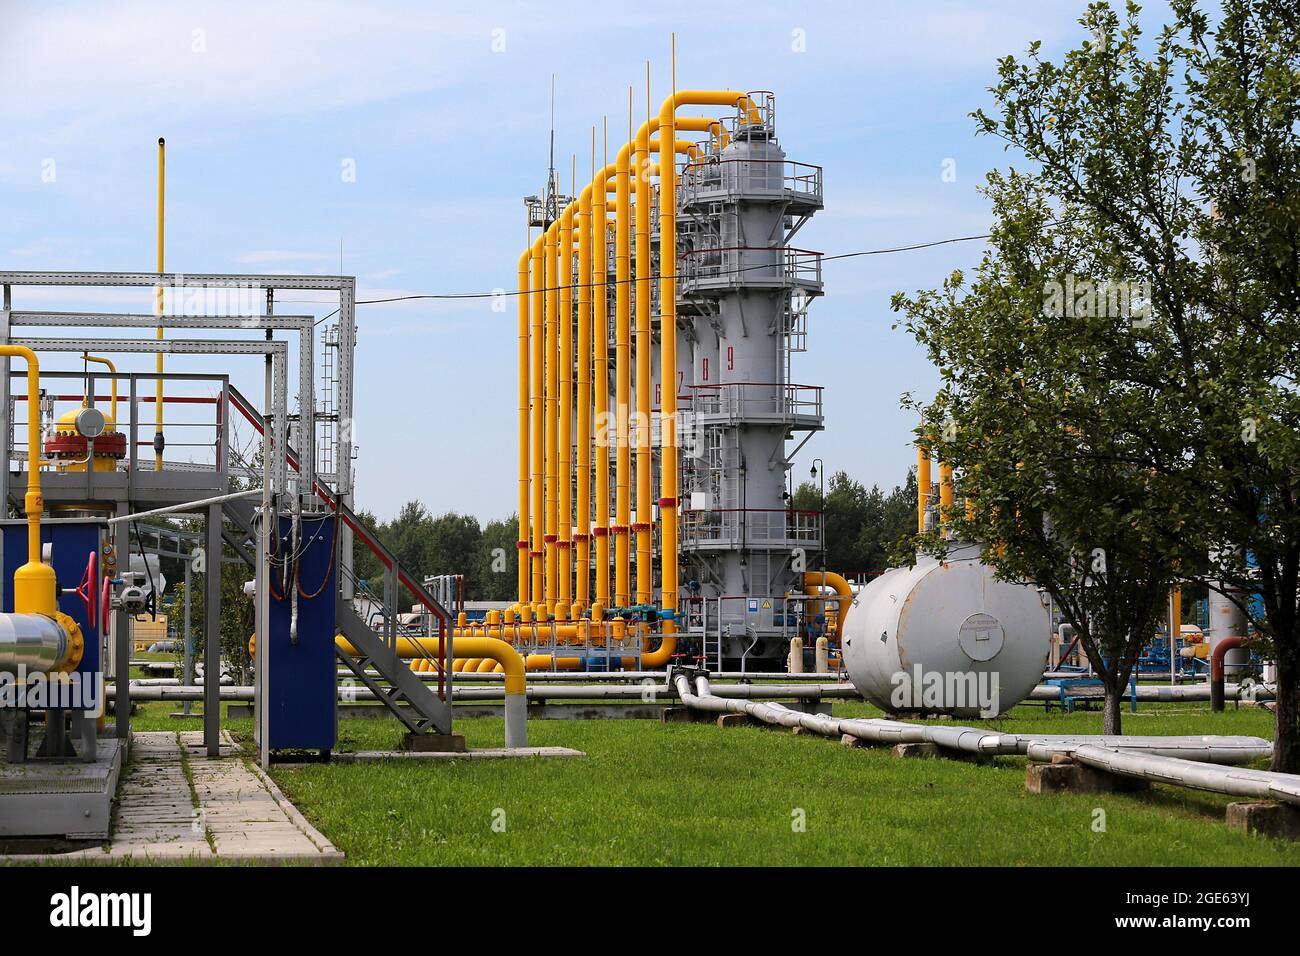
point(302, 691)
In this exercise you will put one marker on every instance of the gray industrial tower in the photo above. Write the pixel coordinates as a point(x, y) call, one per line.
point(744, 294)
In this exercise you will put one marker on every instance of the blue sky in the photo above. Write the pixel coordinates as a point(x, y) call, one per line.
point(262, 104)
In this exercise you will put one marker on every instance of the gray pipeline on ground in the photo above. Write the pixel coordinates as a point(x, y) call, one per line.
point(1154, 693)
point(1182, 761)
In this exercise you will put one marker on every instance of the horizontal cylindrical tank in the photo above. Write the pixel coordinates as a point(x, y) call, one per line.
point(32, 641)
point(946, 638)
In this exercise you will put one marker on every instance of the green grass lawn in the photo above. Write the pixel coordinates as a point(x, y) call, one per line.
point(665, 794)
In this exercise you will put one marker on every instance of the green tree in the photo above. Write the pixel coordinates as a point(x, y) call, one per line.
point(1052, 405)
point(1177, 173)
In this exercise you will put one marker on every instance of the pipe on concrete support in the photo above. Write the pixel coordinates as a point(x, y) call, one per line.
point(1237, 781)
point(1229, 750)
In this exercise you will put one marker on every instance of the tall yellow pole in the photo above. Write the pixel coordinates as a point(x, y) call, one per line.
point(600, 368)
point(522, 541)
point(564, 480)
point(946, 496)
point(552, 412)
point(538, 371)
point(582, 536)
point(622, 369)
point(644, 505)
point(158, 441)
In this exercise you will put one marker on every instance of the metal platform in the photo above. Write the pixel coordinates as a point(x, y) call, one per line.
point(61, 799)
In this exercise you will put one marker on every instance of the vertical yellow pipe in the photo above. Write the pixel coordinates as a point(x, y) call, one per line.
point(923, 481)
point(112, 378)
point(158, 310)
point(35, 589)
point(538, 371)
point(644, 505)
point(945, 492)
point(552, 411)
point(521, 543)
point(564, 478)
point(582, 537)
point(600, 376)
point(622, 374)
point(668, 502)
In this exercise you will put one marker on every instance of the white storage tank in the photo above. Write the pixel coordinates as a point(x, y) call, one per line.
point(946, 637)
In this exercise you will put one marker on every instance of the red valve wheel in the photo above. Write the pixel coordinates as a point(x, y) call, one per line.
point(105, 604)
point(87, 591)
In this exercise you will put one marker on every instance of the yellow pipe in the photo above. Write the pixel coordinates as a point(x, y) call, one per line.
point(668, 503)
point(622, 378)
point(922, 485)
point(644, 508)
point(815, 581)
point(539, 420)
point(521, 543)
point(552, 411)
point(600, 375)
point(35, 588)
point(946, 496)
point(112, 369)
point(158, 306)
point(582, 537)
point(564, 478)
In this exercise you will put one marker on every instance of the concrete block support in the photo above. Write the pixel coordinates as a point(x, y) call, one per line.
point(1277, 820)
point(1071, 777)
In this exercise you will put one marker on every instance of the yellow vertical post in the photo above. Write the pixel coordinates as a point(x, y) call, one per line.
point(582, 537)
point(644, 503)
point(600, 370)
point(552, 410)
point(564, 542)
point(622, 368)
point(521, 543)
point(158, 310)
point(923, 481)
point(946, 496)
point(538, 370)
point(35, 587)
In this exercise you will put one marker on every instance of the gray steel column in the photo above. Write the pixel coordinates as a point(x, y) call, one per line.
point(212, 634)
point(122, 632)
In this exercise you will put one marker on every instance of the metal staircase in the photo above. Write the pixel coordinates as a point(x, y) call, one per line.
point(376, 664)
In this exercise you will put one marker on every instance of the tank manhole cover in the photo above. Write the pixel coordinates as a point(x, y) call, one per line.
point(981, 637)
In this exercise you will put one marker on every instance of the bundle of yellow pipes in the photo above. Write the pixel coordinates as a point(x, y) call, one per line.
point(558, 492)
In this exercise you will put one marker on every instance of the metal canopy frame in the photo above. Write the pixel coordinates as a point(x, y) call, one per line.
point(276, 475)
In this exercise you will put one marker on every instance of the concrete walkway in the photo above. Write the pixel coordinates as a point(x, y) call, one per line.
point(223, 810)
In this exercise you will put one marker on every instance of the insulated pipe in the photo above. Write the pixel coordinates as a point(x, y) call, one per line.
point(521, 545)
point(1216, 669)
point(564, 544)
point(112, 379)
point(1227, 750)
point(552, 411)
point(538, 371)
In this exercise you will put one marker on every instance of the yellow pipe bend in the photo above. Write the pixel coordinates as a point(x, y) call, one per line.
point(813, 582)
point(481, 648)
